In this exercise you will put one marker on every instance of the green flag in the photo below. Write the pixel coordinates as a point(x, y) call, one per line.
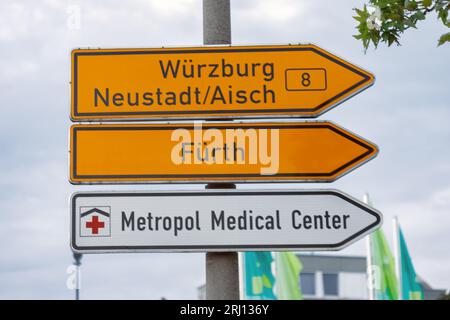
point(383, 266)
point(288, 267)
point(411, 288)
point(259, 280)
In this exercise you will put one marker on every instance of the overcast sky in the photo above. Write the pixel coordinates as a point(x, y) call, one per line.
point(405, 113)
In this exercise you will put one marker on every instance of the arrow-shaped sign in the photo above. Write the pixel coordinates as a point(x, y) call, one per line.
point(211, 82)
point(215, 152)
point(218, 221)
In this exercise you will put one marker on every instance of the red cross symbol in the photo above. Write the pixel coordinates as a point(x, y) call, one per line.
point(95, 224)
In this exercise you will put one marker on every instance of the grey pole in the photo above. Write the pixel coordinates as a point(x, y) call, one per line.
point(77, 261)
point(222, 268)
point(216, 22)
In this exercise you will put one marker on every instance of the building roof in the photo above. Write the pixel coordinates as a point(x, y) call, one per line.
point(332, 263)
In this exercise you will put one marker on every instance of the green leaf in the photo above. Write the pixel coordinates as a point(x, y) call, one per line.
point(443, 15)
point(359, 12)
point(444, 38)
point(391, 39)
point(426, 3)
point(409, 23)
point(411, 5)
point(419, 15)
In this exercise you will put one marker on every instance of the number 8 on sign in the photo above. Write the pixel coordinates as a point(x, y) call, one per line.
point(313, 79)
point(306, 79)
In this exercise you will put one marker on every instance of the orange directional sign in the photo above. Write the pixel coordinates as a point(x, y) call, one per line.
point(214, 152)
point(210, 82)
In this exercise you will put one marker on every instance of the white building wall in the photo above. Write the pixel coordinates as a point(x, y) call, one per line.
point(352, 286)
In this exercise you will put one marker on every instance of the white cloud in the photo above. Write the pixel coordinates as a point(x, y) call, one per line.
point(271, 12)
point(20, 69)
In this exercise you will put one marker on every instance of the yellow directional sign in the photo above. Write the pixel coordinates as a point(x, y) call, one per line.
point(210, 82)
point(214, 152)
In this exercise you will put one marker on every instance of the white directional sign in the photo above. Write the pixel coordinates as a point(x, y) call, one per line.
point(213, 220)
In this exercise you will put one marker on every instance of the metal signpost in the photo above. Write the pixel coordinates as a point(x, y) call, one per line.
point(221, 268)
point(214, 83)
